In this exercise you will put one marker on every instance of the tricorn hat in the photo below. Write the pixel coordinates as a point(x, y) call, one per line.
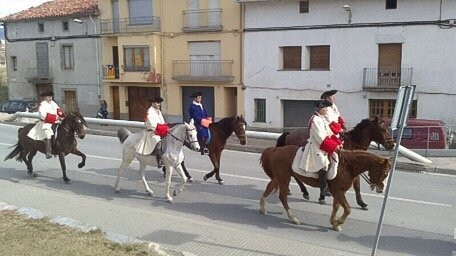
point(157, 99)
point(327, 94)
point(322, 104)
point(196, 94)
point(48, 93)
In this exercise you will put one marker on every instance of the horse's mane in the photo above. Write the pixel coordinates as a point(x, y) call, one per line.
point(356, 133)
point(357, 156)
point(227, 121)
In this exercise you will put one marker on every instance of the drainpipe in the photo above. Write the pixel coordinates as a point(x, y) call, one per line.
point(241, 66)
point(97, 58)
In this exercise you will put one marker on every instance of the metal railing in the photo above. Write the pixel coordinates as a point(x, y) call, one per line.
point(203, 70)
point(202, 20)
point(388, 78)
point(111, 72)
point(130, 25)
point(34, 75)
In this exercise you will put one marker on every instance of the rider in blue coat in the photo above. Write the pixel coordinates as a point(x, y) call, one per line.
point(198, 113)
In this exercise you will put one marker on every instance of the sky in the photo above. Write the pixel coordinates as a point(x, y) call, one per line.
point(8, 7)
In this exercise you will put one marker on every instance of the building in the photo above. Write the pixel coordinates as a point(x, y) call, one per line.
point(295, 50)
point(54, 47)
point(166, 48)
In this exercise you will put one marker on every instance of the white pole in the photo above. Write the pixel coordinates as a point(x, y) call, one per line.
point(97, 58)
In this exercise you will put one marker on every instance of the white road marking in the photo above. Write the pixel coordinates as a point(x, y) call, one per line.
point(263, 180)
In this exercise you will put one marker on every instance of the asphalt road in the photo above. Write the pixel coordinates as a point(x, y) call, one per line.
point(212, 219)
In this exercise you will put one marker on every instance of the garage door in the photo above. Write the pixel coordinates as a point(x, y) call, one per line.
point(296, 113)
point(208, 100)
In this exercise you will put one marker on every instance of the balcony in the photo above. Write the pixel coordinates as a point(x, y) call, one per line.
point(203, 70)
point(386, 79)
point(38, 75)
point(111, 72)
point(130, 25)
point(202, 20)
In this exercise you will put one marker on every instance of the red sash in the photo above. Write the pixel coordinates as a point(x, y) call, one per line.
point(330, 144)
point(162, 130)
point(50, 118)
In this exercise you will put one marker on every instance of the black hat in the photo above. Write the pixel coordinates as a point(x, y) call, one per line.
point(323, 104)
point(157, 99)
point(45, 94)
point(327, 94)
point(195, 94)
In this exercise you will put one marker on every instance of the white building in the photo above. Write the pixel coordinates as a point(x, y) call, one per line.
point(295, 50)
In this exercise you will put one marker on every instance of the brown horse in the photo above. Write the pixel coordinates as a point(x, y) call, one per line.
point(359, 138)
point(277, 161)
point(220, 132)
point(65, 143)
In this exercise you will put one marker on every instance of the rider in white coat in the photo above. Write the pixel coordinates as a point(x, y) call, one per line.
point(335, 120)
point(50, 113)
point(149, 144)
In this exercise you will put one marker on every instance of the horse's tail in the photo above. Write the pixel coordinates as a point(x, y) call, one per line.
point(17, 152)
point(281, 139)
point(265, 163)
point(123, 134)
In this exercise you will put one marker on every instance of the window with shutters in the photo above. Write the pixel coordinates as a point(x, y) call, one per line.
point(140, 12)
point(136, 58)
point(303, 6)
point(41, 27)
point(391, 4)
point(291, 57)
point(385, 108)
point(67, 56)
point(260, 110)
point(65, 26)
point(319, 57)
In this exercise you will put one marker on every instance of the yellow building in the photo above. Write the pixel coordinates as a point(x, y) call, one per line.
point(171, 48)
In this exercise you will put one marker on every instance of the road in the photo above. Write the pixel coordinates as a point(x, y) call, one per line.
point(212, 219)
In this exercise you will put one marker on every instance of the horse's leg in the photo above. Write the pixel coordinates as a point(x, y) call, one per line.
point(126, 160)
point(357, 188)
point(180, 171)
point(333, 218)
point(142, 177)
point(347, 210)
point(303, 188)
point(271, 185)
point(214, 163)
point(169, 173)
point(283, 196)
point(189, 178)
point(217, 173)
point(29, 164)
point(82, 155)
point(63, 166)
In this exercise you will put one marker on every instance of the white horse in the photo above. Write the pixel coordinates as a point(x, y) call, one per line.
point(172, 155)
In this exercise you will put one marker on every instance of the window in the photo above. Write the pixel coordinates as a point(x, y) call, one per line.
point(385, 108)
point(291, 57)
point(260, 110)
point(319, 57)
point(140, 12)
point(41, 27)
point(303, 6)
point(65, 26)
point(14, 63)
point(67, 56)
point(391, 4)
point(136, 58)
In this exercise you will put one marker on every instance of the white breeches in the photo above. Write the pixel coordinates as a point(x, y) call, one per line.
point(48, 132)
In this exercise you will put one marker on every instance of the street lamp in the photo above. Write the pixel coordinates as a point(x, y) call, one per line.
point(81, 22)
point(348, 9)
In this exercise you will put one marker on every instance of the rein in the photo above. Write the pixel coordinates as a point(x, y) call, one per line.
point(186, 136)
point(363, 174)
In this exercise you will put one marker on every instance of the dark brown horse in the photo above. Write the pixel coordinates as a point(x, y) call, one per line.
point(277, 161)
point(65, 143)
point(220, 132)
point(359, 138)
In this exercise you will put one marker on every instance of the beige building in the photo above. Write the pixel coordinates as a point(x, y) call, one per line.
point(171, 49)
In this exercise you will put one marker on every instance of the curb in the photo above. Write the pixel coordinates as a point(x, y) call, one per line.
point(32, 213)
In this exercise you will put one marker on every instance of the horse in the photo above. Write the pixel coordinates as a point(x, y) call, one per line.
point(172, 154)
point(277, 162)
point(220, 132)
point(359, 138)
point(64, 143)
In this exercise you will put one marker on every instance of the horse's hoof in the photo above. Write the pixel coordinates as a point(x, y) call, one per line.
point(117, 190)
point(81, 165)
point(295, 220)
point(363, 205)
point(322, 201)
point(68, 181)
point(32, 174)
point(174, 193)
point(337, 228)
point(170, 200)
point(204, 178)
point(190, 180)
point(306, 196)
point(263, 211)
point(220, 182)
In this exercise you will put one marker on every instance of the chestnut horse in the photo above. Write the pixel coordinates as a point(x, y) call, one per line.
point(359, 138)
point(277, 161)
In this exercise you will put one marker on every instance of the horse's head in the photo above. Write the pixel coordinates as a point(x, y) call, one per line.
point(378, 174)
point(239, 125)
point(380, 133)
point(191, 137)
point(77, 122)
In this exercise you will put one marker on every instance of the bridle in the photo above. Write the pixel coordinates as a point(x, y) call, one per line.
point(240, 133)
point(363, 174)
point(187, 139)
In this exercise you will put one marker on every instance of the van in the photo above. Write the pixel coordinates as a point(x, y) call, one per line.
point(423, 134)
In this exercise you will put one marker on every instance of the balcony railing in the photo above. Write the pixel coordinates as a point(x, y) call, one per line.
point(111, 72)
point(35, 75)
point(130, 25)
point(202, 20)
point(203, 70)
point(387, 78)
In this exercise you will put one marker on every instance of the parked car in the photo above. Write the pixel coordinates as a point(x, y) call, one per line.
point(13, 106)
point(423, 134)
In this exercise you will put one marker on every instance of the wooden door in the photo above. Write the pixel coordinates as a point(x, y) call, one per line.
point(138, 103)
point(115, 102)
point(389, 65)
point(71, 101)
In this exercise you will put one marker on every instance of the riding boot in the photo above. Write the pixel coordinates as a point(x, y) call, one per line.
point(204, 150)
point(157, 152)
point(159, 161)
point(322, 178)
point(47, 148)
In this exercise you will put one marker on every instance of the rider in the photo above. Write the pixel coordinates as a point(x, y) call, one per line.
point(335, 120)
point(202, 120)
point(50, 113)
point(150, 144)
point(322, 143)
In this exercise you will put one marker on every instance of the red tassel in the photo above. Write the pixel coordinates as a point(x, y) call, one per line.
point(329, 145)
point(50, 118)
point(335, 127)
point(162, 130)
